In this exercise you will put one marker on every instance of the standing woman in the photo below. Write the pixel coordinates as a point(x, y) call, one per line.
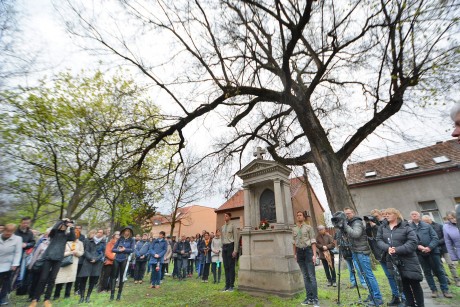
point(216, 255)
point(205, 249)
point(52, 257)
point(399, 241)
point(68, 274)
point(92, 263)
point(192, 257)
point(104, 283)
point(141, 251)
point(123, 248)
point(166, 259)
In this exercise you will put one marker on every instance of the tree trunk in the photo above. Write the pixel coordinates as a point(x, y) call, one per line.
point(325, 159)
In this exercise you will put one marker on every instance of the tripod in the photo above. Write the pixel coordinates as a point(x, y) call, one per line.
point(345, 251)
point(397, 275)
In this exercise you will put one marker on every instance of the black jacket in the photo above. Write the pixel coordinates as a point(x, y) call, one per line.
point(440, 233)
point(93, 251)
point(58, 240)
point(182, 246)
point(426, 236)
point(404, 239)
point(27, 237)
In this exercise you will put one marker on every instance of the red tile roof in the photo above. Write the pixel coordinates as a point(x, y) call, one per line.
point(166, 219)
point(393, 166)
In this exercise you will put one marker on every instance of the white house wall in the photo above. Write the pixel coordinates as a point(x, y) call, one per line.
point(405, 194)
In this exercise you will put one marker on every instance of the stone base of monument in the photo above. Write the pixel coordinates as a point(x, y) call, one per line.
point(267, 265)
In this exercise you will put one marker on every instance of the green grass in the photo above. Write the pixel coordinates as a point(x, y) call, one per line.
point(192, 293)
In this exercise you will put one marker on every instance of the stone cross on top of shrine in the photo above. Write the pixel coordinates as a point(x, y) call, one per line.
point(259, 152)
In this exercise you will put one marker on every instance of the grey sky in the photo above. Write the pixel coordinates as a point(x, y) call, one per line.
point(44, 34)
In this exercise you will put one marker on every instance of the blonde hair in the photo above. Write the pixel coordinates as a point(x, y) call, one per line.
point(395, 211)
point(376, 211)
point(92, 233)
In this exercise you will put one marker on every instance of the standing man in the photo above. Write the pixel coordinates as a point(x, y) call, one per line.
point(429, 255)
point(304, 244)
point(360, 252)
point(455, 115)
point(28, 242)
point(157, 250)
point(10, 258)
point(452, 238)
point(438, 228)
point(325, 245)
point(229, 251)
point(183, 250)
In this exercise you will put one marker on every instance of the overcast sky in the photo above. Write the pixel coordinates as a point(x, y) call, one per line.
point(43, 34)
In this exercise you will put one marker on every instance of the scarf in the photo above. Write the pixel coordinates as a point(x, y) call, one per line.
point(97, 240)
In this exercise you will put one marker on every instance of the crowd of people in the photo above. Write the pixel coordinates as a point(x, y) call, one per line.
point(407, 251)
point(63, 258)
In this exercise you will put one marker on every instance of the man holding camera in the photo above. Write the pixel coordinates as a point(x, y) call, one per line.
point(373, 222)
point(354, 228)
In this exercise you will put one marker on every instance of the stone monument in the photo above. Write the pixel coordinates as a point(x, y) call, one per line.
point(267, 264)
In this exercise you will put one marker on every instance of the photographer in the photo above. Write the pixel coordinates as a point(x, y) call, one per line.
point(354, 228)
point(59, 236)
point(399, 241)
point(373, 222)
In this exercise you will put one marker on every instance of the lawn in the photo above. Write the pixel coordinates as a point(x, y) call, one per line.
point(192, 292)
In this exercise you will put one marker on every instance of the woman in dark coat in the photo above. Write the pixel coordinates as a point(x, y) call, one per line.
point(94, 247)
point(52, 259)
point(123, 248)
point(399, 241)
point(204, 247)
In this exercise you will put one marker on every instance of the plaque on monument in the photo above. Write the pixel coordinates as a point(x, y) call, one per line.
point(267, 206)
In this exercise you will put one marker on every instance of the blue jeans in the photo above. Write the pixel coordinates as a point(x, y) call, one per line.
point(156, 275)
point(307, 267)
point(391, 280)
point(433, 262)
point(357, 272)
point(364, 263)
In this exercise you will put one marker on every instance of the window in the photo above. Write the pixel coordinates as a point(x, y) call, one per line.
point(431, 208)
point(411, 165)
point(370, 174)
point(441, 159)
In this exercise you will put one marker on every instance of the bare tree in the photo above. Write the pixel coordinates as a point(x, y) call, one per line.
point(14, 62)
point(309, 79)
point(185, 187)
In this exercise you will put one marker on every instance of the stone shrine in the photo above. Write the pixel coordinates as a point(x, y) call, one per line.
point(267, 264)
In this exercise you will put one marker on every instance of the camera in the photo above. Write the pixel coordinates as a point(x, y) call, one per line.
point(370, 218)
point(339, 219)
point(67, 222)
